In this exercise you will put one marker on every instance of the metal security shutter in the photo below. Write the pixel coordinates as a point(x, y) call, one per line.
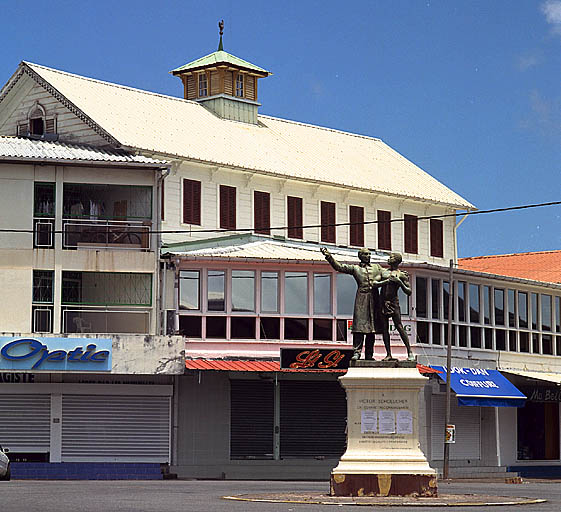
point(251, 418)
point(25, 422)
point(313, 418)
point(115, 428)
point(468, 429)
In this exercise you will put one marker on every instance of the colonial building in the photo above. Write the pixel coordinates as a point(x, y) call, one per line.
point(247, 203)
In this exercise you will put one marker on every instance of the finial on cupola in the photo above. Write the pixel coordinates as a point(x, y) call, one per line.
point(221, 27)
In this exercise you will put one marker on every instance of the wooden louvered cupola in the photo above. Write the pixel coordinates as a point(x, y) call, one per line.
point(225, 84)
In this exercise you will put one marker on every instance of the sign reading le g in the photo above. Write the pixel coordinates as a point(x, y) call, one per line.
point(12, 352)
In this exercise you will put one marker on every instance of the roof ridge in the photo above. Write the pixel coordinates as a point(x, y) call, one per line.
point(112, 84)
point(509, 254)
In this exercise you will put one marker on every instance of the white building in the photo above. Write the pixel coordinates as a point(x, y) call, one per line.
point(246, 206)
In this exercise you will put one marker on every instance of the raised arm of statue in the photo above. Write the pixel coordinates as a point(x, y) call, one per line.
point(339, 267)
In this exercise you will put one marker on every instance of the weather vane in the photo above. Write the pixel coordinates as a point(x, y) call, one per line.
point(221, 27)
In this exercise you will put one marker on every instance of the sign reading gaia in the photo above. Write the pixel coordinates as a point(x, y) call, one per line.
point(56, 354)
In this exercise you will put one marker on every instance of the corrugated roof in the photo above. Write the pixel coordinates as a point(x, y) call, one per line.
point(30, 149)
point(253, 247)
point(260, 366)
point(219, 57)
point(537, 266)
point(176, 127)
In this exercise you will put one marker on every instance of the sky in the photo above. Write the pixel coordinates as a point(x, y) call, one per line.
point(470, 91)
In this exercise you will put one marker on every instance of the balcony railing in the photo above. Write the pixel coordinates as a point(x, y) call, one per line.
point(101, 321)
point(106, 233)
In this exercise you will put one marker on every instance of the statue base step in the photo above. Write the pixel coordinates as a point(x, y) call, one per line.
point(384, 484)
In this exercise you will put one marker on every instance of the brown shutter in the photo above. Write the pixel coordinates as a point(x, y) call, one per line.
point(411, 245)
point(295, 218)
point(436, 238)
point(262, 212)
point(356, 217)
point(227, 207)
point(191, 202)
point(327, 222)
point(50, 125)
point(384, 230)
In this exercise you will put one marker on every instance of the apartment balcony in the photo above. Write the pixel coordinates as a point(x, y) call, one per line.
point(114, 234)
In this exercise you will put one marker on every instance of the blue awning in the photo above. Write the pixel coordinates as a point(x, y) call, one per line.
point(487, 388)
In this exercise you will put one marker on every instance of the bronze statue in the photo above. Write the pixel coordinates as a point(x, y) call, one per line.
point(367, 318)
point(394, 279)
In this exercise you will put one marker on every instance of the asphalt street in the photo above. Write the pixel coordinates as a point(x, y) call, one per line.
point(207, 496)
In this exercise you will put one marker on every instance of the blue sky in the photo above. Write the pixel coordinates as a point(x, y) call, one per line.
point(469, 91)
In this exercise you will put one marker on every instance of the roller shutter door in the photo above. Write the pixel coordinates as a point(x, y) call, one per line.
point(25, 422)
point(251, 419)
point(468, 429)
point(115, 428)
point(312, 419)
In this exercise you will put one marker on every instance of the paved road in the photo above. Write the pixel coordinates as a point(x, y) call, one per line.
point(206, 496)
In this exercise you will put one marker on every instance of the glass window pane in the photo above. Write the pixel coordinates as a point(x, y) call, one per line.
point(322, 294)
point(524, 343)
point(269, 328)
point(512, 341)
point(421, 298)
point(295, 328)
point(511, 309)
point(435, 298)
point(296, 293)
point(546, 312)
point(323, 329)
point(43, 286)
point(547, 345)
point(462, 335)
point(216, 326)
point(243, 291)
point(346, 291)
point(242, 327)
point(270, 292)
point(499, 306)
point(500, 341)
point(436, 334)
point(489, 339)
point(535, 344)
point(189, 289)
point(474, 309)
point(534, 311)
point(475, 337)
point(190, 326)
point(216, 290)
point(445, 298)
point(341, 330)
point(558, 314)
point(522, 309)
point(487, 305)
point(422, 332)
point(461, 302)
point(403, 302)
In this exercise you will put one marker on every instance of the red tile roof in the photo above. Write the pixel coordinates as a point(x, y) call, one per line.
point(258, 366)
point(538, 266)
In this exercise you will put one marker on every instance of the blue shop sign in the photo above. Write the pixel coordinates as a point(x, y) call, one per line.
point(479, 386)
point(55, 354)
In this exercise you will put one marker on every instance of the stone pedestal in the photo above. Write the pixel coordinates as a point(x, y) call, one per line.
point(379, 462)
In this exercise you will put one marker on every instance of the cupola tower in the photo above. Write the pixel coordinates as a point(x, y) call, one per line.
point(225, 84)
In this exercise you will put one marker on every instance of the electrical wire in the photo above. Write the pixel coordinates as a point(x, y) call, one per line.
point(308, 226)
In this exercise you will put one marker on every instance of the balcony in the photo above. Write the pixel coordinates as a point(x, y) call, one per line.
point(113, 234)
point(105, 320)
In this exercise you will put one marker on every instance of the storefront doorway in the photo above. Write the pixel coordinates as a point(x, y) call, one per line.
point(538, 431)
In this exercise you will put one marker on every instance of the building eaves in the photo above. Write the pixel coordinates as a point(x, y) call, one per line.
point(20, 149)
point(217, 58)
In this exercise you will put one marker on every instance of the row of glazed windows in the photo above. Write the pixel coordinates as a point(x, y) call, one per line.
point(281, 305)
point(486, 305)
point(192, 205)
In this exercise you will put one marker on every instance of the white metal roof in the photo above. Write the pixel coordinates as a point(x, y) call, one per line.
point(29, 149)
point(270, 250)
point(176, 127)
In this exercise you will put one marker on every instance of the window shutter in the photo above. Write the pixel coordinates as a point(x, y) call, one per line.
point(295, 218)
point(191, 202)
point(436, 238)
point(356, 216)
point(262, 212)
point(411, 245)
point(384, 230)
point(227, 207)
point(23, 129)
point(327, 222)
point(50, 125)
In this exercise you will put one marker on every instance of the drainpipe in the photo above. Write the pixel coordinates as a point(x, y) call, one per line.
point(456, 236)
point(156, 238)
point(176, 297)
point(163, 298)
